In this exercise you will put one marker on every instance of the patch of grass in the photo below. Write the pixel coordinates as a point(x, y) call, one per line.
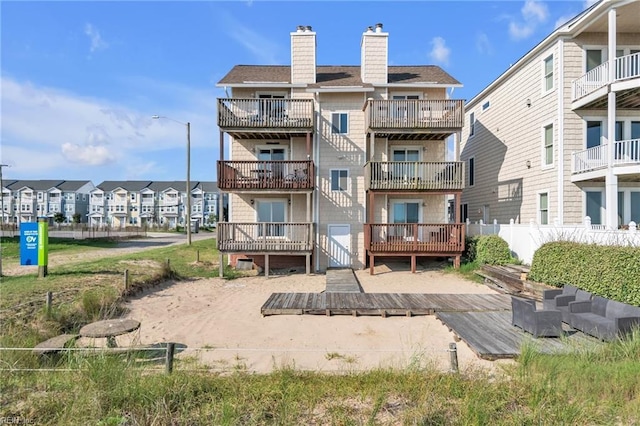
point(11, 246)
point(466, 270)
point(598, 387)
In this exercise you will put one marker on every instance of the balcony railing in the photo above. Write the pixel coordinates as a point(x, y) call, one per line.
point(414, 238)
point(415, 175)
point(414, 114)
point(597, 157)
point(257, 175)
point(265, 113)
point(263, 237)
point(627, 67)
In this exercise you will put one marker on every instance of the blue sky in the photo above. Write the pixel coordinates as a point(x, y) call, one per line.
point(81, 80)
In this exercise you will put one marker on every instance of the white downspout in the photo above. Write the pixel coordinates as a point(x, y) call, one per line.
point(561, 157)
point(611, 180)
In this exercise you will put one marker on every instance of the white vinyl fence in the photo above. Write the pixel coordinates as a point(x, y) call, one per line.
point(524, 240)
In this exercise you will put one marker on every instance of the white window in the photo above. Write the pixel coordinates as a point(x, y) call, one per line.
point(594, 133)
point(273, 212)
point(543, 208)
point(547, 149)
point(471, 172)
point(472, 123)
point(486, 105)
point(548, 73)
point(593, 58)
point(339, 180)
point(340, 123)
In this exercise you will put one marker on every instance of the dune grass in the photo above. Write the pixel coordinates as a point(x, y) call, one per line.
point(598, 386)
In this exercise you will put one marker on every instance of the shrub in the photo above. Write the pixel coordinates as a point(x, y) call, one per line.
point(608, 271)
point(493, 250)
point(470, 244)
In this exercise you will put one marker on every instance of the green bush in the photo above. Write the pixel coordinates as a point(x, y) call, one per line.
point(608, 271)
point(470, 244)
point(492, 250)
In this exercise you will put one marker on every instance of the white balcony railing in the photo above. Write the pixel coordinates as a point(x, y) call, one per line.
point(627, 67)
point(590, 159)
point(625, 152)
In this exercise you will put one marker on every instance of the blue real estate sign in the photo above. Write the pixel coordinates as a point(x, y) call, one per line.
point(29, 243)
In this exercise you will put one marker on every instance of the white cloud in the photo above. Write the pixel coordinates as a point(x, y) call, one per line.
point(532, 13)
point(51, 133)
point(97, 43)
point(265, 50)
point(439, 51)
point(483, 44)
point(91, 155)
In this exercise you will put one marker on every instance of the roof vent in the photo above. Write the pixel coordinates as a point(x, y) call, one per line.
point(300, 28)
point(308, 28)
point(378, 27)
point(369, 29)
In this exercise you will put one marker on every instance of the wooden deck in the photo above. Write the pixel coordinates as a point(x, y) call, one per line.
point(491, 335)
point(342, 281)
point(381, 304)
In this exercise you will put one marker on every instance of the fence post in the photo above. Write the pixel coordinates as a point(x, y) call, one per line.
point(126, 280)
point(168, 263)
point(633, 227)
point(198, 256)
point(169, 359)
point(453, 357)
point(48, 302)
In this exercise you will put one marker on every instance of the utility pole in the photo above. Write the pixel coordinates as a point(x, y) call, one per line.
point(188, 183)
point(1, 208)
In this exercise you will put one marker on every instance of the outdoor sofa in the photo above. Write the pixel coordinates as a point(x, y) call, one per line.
point(559, 299)
point(603, 318)
point(540, 323)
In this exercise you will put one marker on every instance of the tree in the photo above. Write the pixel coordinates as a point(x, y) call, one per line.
point(77, 218)
point(58, 218)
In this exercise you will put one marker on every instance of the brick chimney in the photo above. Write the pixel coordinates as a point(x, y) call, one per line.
point(303, 55)
point(374, 52)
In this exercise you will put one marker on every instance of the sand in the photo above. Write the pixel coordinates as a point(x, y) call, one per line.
point(220, 323)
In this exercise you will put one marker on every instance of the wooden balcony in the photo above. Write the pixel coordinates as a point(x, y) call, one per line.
point(421, 239)
point(414, 118)
point(263, 237)
point(265, 175)
point(414, 176)
point(265, 118)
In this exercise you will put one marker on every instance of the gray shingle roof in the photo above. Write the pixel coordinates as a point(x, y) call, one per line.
point(129, 185)
point(36, 185)
point(337, 75)
point(72, 185)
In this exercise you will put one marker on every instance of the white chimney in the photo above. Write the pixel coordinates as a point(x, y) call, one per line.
point(303, 55)
point(374, 52)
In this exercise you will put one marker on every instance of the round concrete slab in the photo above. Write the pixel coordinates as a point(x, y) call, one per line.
point(109, 328)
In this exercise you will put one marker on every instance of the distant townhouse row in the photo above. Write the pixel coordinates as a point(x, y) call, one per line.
point(115, 204)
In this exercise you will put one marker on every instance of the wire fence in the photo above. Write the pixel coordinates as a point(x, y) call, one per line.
point(161, 357)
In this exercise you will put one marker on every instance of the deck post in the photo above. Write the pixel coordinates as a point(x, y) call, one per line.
point(266, 266)
point(221, 270)
point(413, 263)
point(453, 357)
point(372, 260)
point(308, 264)
point(456, 262)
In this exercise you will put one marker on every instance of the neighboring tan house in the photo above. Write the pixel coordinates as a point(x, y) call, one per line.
point(556, 137)
point(33, 199)
point(334, 165)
